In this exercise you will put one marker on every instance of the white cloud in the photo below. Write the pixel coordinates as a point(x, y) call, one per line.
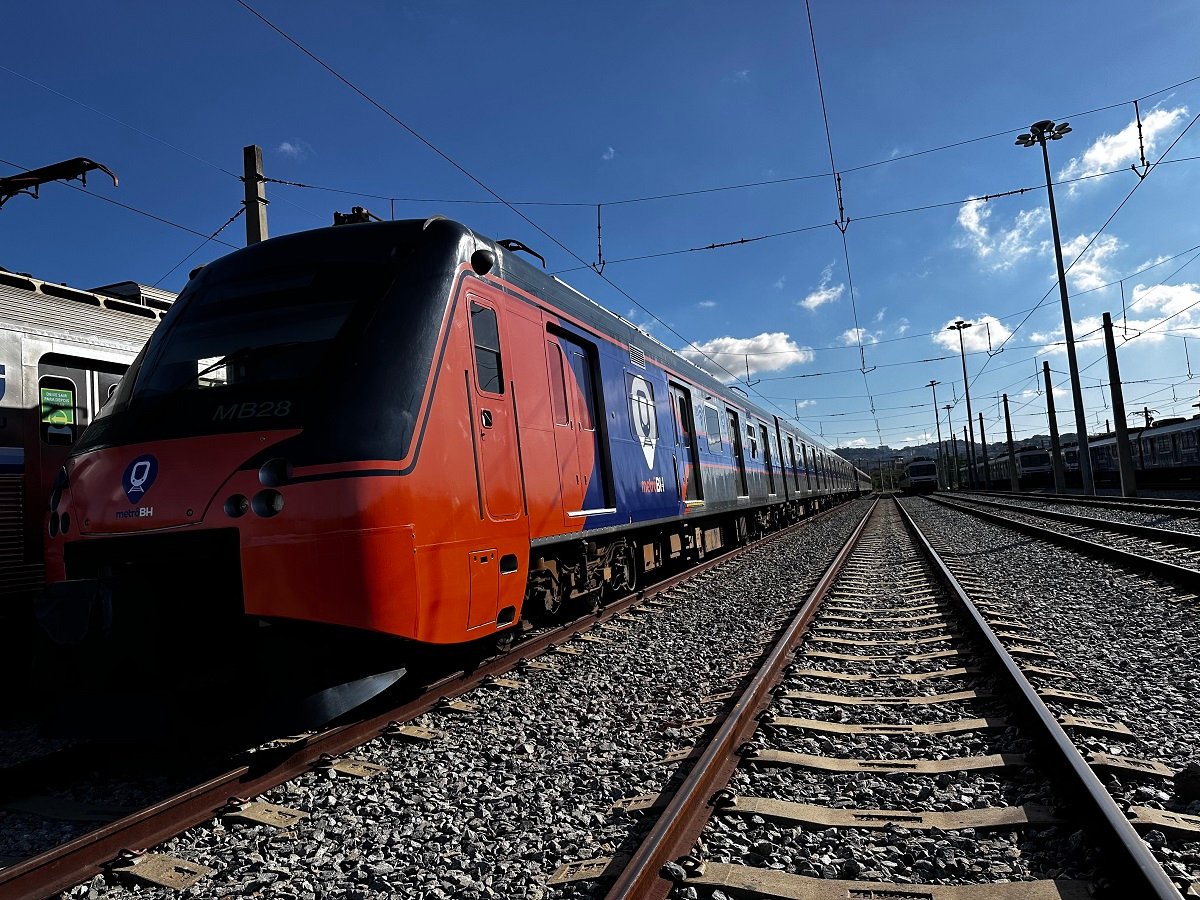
point(975, 337)
point(1091, 271)
point(804, 404)
point(297, 150)
point(1114, 151)
point(707, 304)
point(902, 326)
point(853, 336)
point(856, 444)
point(781, 282)
point(742, 76)
point(879, 315)
point(825, 292)
point(608, 154)
point(767, 352)
point(998, 249)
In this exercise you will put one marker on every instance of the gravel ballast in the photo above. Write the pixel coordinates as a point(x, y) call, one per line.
point(1129, 640)
point(506, 794)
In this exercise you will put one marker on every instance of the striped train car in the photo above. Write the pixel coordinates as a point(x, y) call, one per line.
point(62, 352)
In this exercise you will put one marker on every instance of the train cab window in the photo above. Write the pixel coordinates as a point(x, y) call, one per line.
point(486, 331)
point(712, 424)
point(558, 384)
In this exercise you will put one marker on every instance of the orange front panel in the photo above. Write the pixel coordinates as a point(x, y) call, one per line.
point(360, 579)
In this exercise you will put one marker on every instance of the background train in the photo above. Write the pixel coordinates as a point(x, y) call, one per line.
point(920, 476)
point(401, 430)
point(1032, 465)
point(62, 351)
point(1167, 453)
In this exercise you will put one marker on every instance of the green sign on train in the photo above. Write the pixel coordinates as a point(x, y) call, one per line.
point(58, 406)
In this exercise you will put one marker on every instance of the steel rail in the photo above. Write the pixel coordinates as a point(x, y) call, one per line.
point(90, 854)
point(1151, 532)
point(1133, 863)
point(1166, 505)
point(683, 818)
point(1159, 568)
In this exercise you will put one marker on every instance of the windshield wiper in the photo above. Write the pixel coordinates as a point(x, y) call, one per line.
point(241, 354)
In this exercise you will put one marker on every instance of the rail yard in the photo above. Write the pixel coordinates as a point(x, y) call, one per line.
point(625, 451)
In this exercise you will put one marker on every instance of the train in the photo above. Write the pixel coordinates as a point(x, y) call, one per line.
point(62, 352)
point(1032, 468)
point(1165, 454)
point(920, 476)
point(399, 431)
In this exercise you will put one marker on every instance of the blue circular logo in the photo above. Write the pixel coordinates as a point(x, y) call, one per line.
point(139, 476)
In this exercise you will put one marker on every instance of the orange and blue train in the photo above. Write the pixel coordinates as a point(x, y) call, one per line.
point(405, 429)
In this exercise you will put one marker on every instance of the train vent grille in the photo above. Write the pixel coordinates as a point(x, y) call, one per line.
point(637, 357)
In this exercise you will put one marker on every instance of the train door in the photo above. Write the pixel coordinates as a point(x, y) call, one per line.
point(495, 430)
point(565, 442)
point(792, 456)
point(739, 456)
point(766, 445)
point(686, 456)
point(593, 467)
point(807, 470)
point(578, 439)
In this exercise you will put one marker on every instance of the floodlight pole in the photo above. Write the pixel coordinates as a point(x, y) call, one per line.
point(1040, 133)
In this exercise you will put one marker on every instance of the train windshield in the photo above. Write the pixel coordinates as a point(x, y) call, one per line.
point(1035, 459)
point(259, 329)
point(922, 469)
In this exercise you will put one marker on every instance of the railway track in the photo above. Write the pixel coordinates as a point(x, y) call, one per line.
point(1153, 505)
point(889, 680)
point(1165, 552)
point(115, 846)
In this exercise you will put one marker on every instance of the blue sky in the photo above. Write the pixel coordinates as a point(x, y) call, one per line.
point(578, 104)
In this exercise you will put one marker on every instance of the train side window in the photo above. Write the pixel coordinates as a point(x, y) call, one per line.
point(583, 374)
point(558, 383)
point(486, 330)
point(750, 433)
point(712, 424)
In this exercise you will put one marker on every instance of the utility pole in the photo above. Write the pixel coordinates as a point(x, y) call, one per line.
point(938, 421)
point(1056, 460)
point(951, 482)
point(954, 447)
point(1040, 133)
point(958, 326)
point(987, 466)
point(256, 194)
point(1124, 457)
point(1014, 483)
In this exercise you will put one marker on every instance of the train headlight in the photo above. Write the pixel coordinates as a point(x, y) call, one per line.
point(267, 503)
point(237, 506)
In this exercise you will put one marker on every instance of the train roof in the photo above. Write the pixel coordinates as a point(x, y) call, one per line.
point(513, 267)
point(32, 306)
point(641, 343)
